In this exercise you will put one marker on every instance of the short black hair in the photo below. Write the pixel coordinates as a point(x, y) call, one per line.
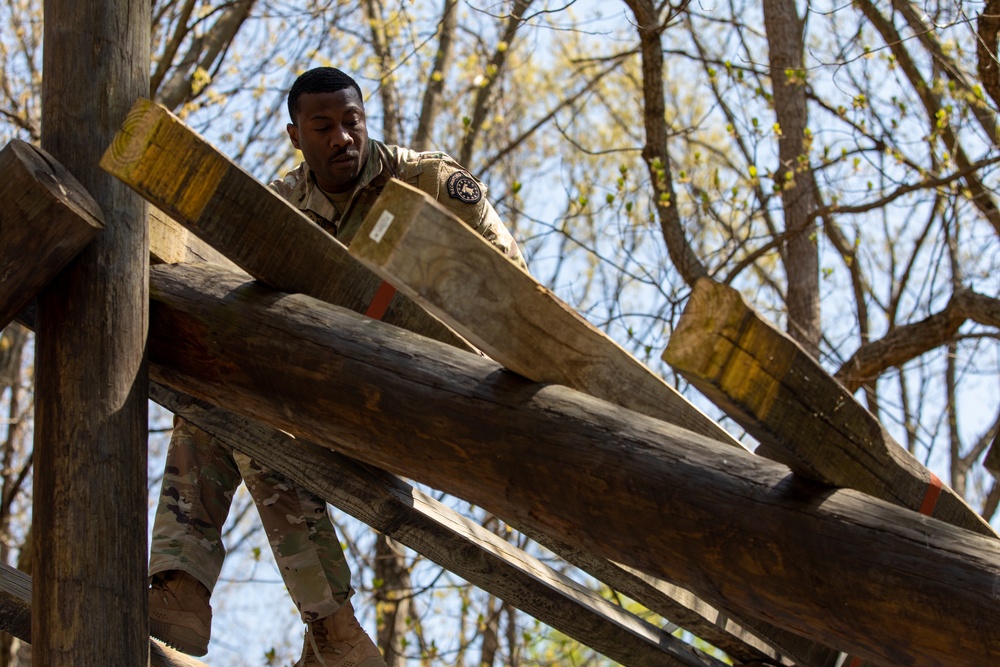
point(319, 80)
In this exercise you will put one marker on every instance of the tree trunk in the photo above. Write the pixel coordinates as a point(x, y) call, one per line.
point(656, 152)
point(432, 101)
point(392, 600)
point(801, 252)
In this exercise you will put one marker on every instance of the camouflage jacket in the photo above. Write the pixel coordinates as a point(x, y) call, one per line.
point(435, 173)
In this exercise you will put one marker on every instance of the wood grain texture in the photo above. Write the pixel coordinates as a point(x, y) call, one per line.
point(46, 218)
point(170, 242)
point(799, 412)
point(15, 602)
point(409, 516)
point(91, 408)
point(453, 272)
point(744, 639)
point(189, 180)
point(741, 532)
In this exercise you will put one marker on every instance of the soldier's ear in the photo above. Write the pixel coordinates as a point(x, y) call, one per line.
point(293, 134)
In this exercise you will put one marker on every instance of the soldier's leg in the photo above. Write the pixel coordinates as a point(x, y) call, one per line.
point(302, 537)
point(200, 478)
point(312, 564)
point(186, 553)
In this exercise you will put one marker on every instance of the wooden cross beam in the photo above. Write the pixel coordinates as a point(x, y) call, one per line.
point(427, 253)
point(801, 415)
point(409, 516)
point(179, 172)
point(736, 529)
point(46, 219)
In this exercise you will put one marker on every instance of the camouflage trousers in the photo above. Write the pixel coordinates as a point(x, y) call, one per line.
point(200, 477)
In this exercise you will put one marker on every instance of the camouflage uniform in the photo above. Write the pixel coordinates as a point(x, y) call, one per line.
point(202, 474)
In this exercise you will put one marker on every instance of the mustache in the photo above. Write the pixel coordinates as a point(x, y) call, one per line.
point(349, 152)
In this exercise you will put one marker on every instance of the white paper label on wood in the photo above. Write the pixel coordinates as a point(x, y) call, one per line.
point(381, 226)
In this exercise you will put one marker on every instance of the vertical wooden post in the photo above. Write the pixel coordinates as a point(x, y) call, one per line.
point(89, 598)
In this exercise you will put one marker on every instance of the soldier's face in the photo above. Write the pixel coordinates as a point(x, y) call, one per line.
point(332, 132)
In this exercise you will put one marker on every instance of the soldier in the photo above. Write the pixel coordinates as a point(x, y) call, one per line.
point(342, 174)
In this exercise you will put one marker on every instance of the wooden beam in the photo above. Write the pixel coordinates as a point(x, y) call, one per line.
point(179, 172)
point(427, 253)
point(15, 602)
point(46, 219)
point(409, 516)
point(801, 415)
point(15, 619)
point(90, 497)
point(744, 639)
point(170, 242)
point(834, 565)
point(447, 268)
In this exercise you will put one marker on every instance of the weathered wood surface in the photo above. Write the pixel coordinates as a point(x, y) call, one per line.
point(737, 530)
point(89, 495)
point(744, 639)
point(453, 272)
point(801, 415)
point(171, 242)
point(46, 218)
point(15, 619)
point(301, 259)
point(409, 516)
point(161, 655)
point(183, 175)
point(456, 274)
point(15, 602)
point(672, 602)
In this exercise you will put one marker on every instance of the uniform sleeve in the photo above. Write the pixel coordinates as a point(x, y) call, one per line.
point(465, 196)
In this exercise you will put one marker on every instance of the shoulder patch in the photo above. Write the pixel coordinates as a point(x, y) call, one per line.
point(464, 188)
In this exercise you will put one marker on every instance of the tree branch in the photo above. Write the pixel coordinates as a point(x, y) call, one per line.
point(431, 106)
point(912, 340)
point(204, 52)
point(492, 74)
point(655, 153)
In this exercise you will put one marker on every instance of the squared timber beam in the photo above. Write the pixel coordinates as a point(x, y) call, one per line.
point(800, 413)
point(183, 175)
point(449, 269)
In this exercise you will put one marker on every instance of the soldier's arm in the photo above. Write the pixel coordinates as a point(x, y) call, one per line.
point(465, 196)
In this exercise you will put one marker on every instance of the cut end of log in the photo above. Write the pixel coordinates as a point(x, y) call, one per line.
point(134, 158)
point(385, 226)
point(712, 320)
point(43, 171)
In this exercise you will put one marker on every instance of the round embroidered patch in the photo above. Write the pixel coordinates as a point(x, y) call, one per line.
point(463, 187)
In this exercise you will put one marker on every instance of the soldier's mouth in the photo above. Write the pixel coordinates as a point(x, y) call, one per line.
point(342, 158)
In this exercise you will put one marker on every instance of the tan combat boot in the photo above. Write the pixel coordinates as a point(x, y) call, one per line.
point(339, 641)
point(179, 612)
